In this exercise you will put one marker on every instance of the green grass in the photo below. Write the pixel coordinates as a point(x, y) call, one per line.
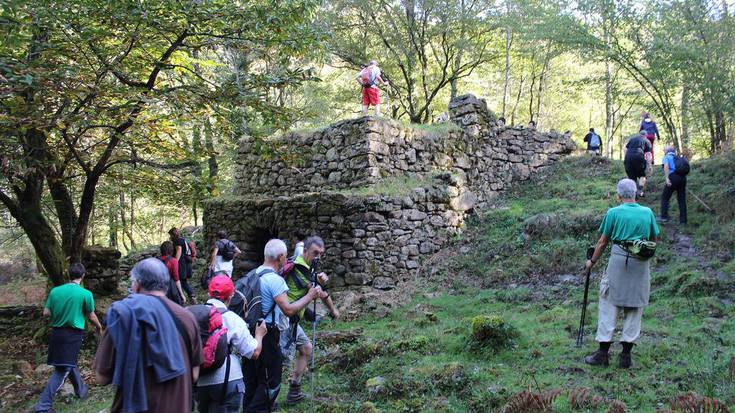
point(430, 365)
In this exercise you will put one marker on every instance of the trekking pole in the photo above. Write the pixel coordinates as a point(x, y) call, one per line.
point(314, 270)
point(580, 333)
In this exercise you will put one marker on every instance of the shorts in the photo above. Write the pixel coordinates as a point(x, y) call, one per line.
point(288, 349)
point(635, 166)
point(370, 96)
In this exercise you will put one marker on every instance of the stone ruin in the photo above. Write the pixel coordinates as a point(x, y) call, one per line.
point(103, 269)
point(383, 195)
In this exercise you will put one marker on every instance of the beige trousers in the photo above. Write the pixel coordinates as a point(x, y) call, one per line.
point(608, 315)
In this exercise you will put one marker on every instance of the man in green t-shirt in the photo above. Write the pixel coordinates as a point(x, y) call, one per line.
point(626, 283)
point(68, 306)
point(299, 281)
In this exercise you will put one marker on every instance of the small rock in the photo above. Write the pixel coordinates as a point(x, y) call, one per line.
point(23, 368)
point(375, 385)
point(43, 369)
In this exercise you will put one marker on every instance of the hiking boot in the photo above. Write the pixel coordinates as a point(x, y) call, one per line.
point(625, 361)
point(598, 358)
point(294, 394)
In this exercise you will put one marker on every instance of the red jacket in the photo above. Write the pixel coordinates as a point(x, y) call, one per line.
point(173, 266)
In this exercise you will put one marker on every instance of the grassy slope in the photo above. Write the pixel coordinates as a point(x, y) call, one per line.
point(688, 333)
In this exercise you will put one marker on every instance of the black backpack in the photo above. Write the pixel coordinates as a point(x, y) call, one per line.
point(228, 253)
point(249, 305)
point(682, 165)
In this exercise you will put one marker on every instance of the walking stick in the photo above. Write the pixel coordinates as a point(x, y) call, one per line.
point(580, 333)
point(314, 270)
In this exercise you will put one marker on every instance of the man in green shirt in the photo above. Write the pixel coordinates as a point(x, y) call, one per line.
point(299, 281)
point(68, 306)
point(626, 283)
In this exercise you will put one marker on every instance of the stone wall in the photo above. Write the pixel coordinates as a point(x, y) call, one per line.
point(329, 182)
point(103, 272)
point(362, 152)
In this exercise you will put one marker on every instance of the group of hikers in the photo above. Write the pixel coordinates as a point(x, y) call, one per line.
point(226, 355)
point(639, 162)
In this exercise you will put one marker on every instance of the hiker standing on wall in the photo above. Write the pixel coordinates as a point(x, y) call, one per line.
point(294, 338)
point(263, 378)
point(223, 252)
point(676, 181)
point(636, 151)
point(594, 142)
point(368, 78)
point(648, 125)
point(68, 305)
point(222, 390)
point(185, 253)
point(626, 283)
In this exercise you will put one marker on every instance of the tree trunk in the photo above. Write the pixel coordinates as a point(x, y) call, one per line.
point(212, 159)
point(685, 114)
point(609, 115)
point(44, 241)
point(112, 226)
point(507, 59)
point(518, 100)
point(541, 88)
point(720, 131)
point(126, 229)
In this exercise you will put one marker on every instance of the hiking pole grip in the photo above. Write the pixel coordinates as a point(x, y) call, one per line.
point(580, 332)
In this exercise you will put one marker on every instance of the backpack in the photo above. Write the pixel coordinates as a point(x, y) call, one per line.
point(682, 165)
point(251, 309)
point(594, 141)
point(215, 345)
point(366, 77)
point(190, 252)
point(228, 253)
point(288, 270)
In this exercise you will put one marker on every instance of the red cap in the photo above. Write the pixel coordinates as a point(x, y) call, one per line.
point(221, 287)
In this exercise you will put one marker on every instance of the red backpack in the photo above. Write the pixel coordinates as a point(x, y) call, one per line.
point(215, 345)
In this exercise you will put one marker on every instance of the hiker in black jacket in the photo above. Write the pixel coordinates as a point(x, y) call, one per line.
point(594, 142)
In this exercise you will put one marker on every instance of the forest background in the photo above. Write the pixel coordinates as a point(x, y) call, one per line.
point(119, 118)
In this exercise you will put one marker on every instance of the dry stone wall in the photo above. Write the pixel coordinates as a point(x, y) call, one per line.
point(103, 272)
point(334, 177)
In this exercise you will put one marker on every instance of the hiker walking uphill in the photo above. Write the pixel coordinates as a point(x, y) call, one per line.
point(299, 279)
point(68, 305)
point(636, 150)
point(185, 253)
point(175, 293)
point(594, 142)
point(151, 350)
point(626, 282)
point(675, 169)
point(263, 376)
point(223, 252)
point(648, 125)
point(221, 386)
point(368, 78)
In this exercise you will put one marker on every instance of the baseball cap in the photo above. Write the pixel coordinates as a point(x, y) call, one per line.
point(221, 287)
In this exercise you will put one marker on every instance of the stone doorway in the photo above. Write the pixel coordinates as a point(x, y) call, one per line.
point(253, 245)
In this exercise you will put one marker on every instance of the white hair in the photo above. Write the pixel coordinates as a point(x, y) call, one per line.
point(274, 249)
point(627, 188)
point(372, 63)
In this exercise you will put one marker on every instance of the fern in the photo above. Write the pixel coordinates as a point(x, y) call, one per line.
point(693, 403)
point(582, 398)
point(531, 402)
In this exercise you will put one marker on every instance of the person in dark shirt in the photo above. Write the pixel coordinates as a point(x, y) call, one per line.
point(185, 270)
point(594, 142)
point(635, 160)
point(648, 125)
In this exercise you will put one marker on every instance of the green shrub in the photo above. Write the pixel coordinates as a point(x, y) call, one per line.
point(492, 332)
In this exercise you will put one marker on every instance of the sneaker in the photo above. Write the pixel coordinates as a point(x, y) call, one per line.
point(625, 361)
point(294, 394)
point(598, 358)
point(662, 220)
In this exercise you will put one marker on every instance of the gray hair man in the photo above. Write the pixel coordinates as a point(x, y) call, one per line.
point(299, 279)
point(152, 368)
point(626, 283)
point(263, 380)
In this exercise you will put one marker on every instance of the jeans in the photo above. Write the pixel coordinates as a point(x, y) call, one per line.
point(678, 184)
point(208, 397)
point(187, 288)
point(54, 384)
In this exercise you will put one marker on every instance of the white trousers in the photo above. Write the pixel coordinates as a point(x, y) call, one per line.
point(608, 315)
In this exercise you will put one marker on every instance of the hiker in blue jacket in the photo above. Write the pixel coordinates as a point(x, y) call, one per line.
point(648, 125)
point(676, 181)
point(594, 142)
